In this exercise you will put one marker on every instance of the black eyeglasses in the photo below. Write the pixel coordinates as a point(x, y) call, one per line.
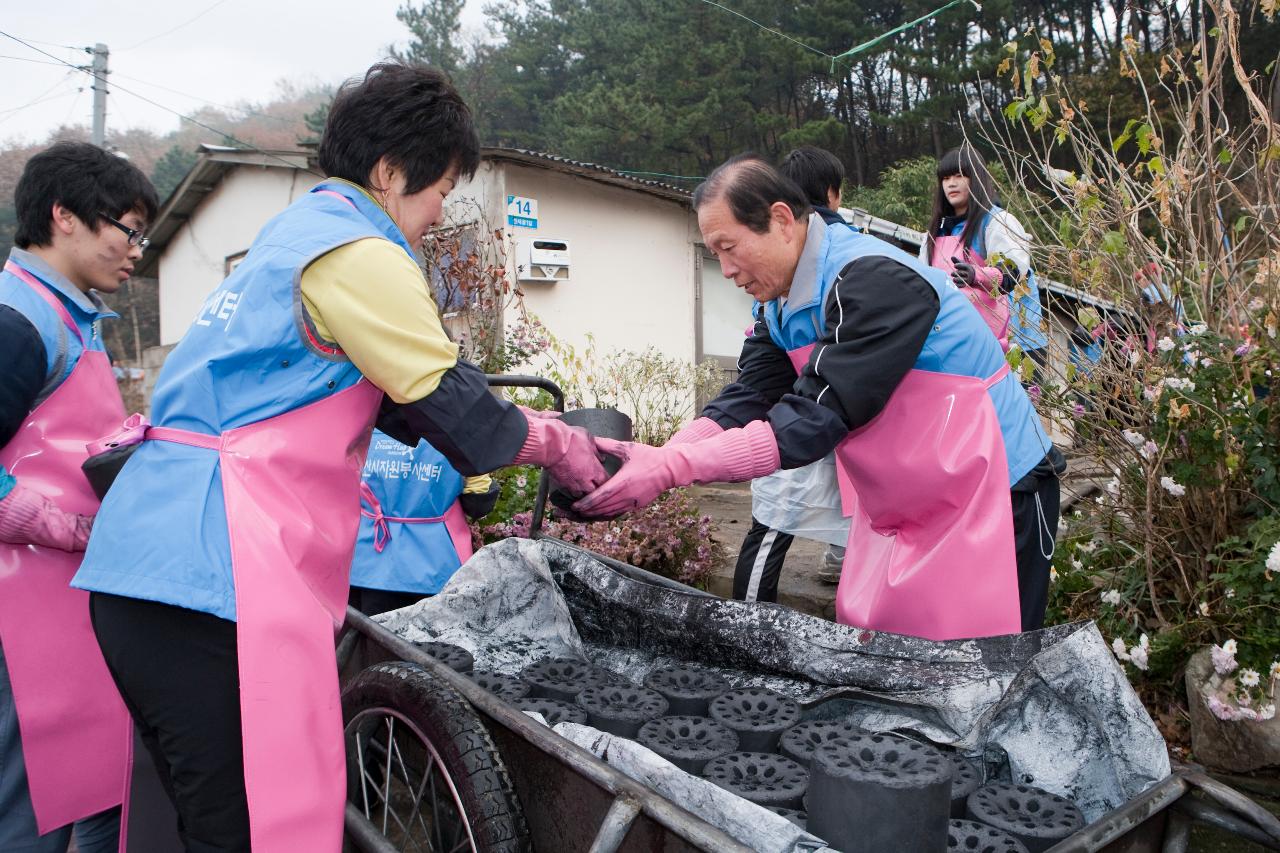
point(136, 237)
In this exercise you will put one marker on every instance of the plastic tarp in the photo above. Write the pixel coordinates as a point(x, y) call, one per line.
point(1049, 708)
point(803, 502)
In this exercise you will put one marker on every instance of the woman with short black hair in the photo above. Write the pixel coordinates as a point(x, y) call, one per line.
point(219, 566)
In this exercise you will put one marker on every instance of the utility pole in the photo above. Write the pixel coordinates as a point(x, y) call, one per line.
point(99, 70)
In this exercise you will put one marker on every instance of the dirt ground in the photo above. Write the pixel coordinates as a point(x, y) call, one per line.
point(729, 505)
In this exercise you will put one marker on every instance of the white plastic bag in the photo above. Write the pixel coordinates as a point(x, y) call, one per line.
point(803, 502)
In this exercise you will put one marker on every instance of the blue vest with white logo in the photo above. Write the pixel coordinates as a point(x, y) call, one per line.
point(249, 355)
point(409, 482)
point(960, 342)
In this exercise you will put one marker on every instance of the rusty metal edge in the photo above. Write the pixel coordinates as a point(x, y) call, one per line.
point(1126, 818)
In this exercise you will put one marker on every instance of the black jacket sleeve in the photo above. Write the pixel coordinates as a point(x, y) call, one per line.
point(22, 374)
point(764, 375)
point(476, 431)
point(878, 315)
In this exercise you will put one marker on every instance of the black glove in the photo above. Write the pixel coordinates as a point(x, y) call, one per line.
point(477, 505)
point(963, 275)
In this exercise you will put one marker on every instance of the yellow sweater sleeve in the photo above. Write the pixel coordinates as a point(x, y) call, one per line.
point(477, 485)
point(371, 299)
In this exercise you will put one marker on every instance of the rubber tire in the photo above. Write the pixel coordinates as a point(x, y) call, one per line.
point(459, 736)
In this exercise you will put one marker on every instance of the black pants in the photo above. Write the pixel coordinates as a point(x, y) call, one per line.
point(371, 602)
point(1035, 527)
point(177, 671)
point(755, 578)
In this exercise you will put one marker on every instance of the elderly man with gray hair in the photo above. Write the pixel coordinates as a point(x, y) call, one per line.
point(861, 349)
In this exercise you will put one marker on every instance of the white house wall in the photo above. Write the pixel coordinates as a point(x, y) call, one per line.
point(224, 224)
point(632, 270)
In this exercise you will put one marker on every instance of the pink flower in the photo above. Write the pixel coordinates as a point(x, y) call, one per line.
point(1219, 709)
point(1224, 660)
point(1034, 393)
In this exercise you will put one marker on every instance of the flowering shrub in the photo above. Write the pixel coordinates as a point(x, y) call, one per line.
point(1168, 386)
point(483, 309)
point(658, 392)
point(1241, 694)
point(669, 537)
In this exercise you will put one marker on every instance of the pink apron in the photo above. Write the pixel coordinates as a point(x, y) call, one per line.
point(292, 490)
point(926, 488)
point(76, 732)
point(994, 309)
point(455, 521)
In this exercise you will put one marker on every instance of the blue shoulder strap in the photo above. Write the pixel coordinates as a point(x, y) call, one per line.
point(980, 239)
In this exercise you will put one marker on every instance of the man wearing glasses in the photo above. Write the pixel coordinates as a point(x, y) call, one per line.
point(64, 730)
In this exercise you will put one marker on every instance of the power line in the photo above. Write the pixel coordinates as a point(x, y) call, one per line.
point(58, 44)
point(867, 45)
point(178, 27)
point(855, 50)
point(36, 61)
point(74, 103)
point(822, 53)
point(248, 145)
point(5, 115)
point(225, 107)
point(38, 98)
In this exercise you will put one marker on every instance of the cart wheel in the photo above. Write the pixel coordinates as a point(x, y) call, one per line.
point(422, 767)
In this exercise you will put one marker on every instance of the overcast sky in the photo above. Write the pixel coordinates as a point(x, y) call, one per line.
point(234, 50)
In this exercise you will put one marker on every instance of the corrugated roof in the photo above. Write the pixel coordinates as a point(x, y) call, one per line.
point(216, 160)
point(211, 167)
point(594, 171)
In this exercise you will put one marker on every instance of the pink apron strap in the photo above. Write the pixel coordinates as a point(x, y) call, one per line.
point(995, 378)
point(336, 195)
point(381, 532)
point(184, 436)
point(44, 293)
point(455, 521)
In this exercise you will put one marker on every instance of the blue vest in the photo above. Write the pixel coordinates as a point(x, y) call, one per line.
point(161, 534)
point(1084, 359)
point(409, 482)
point(17, 294)
point(1025, 313)
point(960, 342)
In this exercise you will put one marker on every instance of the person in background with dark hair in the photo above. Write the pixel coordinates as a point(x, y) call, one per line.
point(986, 252)
point(862, 349)
point(64, 733)
point(785, 500)
point(820, 176)
point(219, 562)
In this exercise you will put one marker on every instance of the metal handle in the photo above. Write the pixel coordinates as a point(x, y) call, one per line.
point(501, 380)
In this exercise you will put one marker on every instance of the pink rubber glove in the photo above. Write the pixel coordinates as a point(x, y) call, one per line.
point(567, 452)
point(538, 413)
point(732, 456)
point(988, 277)
point(699, 429)
point(29, 518)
